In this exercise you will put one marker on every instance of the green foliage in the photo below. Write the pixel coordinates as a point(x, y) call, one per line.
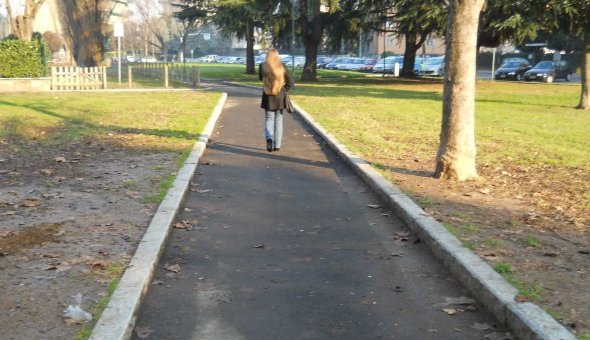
point(493, 242)
point(531, 241)
point(468, 244)
point(504, 268)
point(21, 59)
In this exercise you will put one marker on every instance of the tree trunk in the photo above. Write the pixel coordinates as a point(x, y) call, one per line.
point(585, 96)
point(409, 55)
point(250, 67)
point(83, 22)
point(22, 25)
point(311, 35)
point(456, 154)
point(311, 54)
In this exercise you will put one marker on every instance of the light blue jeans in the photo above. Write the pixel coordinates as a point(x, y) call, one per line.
point(273, 127)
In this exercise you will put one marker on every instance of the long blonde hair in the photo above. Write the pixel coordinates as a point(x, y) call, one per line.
point(273, 73)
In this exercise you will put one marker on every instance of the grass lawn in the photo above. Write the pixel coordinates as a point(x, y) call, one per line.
point(528, 123)
point(56, 118)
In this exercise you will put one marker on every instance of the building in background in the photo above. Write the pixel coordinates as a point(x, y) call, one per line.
point(393, 44)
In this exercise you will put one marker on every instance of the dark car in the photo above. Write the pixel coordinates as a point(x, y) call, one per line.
point(323, 61)
point(548, 71)
point(512, 70)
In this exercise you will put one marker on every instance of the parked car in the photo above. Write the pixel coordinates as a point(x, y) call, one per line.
point(323, 61)
point(210, 58)
point(299, 61)
point(387, 65)
point(417, 62)
point(434, 66)
point(367, 65)
point(548, 71)
point(512, 70)
point(351, 64)
point(335, 62)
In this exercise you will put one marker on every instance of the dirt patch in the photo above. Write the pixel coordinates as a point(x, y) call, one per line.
point(532, 223)
point(11, 242)
point(70, 220)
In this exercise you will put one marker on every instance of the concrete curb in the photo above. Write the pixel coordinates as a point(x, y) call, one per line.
point(525, 320)
point(119, 317)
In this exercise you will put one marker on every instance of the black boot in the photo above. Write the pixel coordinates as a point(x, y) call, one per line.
point(269, 145)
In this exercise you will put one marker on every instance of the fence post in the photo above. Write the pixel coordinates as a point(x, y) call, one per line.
point(53, 78)
point(166, 76)
point(130, 75)
point(104, 77)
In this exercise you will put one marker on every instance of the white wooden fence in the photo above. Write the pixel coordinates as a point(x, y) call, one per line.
point(72, 78)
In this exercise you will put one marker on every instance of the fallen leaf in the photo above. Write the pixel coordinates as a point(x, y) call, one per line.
point(182, 225)
point(102, 265)
point(173, 268)
point(70, 322)
point(522, 298)
point(60, 159)
point(450, 311)
point(47, 172)
point(30, 202)
point(58, 268)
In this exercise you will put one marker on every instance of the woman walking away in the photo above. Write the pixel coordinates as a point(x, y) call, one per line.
point(277, 82)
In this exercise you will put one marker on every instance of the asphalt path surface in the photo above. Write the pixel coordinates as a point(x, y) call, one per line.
point(292, 245)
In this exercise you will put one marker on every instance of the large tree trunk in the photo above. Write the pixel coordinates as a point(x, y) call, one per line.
point(311, 54)
point(250, 67)
point(585, 97)
point(456, 154)
point(311, 36)
point(409, 55)
point(84, 24)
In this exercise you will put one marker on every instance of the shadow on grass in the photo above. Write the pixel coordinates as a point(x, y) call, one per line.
point(417, 173)
point(74, 122)
point(382, 93)
point(521, 103)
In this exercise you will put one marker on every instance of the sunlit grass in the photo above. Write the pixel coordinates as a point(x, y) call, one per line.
point(146, 118)
point(375, 116)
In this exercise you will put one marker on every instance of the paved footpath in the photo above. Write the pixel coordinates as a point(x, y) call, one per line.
point(292, 245)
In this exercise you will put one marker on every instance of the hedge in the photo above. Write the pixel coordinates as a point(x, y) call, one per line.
point(22, 59)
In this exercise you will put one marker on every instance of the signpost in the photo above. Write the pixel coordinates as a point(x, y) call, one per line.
point(118, 32)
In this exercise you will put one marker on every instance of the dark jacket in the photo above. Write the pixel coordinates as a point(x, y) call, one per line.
point(272, 103)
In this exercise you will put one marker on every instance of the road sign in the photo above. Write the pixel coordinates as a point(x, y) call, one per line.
point(118, 29)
